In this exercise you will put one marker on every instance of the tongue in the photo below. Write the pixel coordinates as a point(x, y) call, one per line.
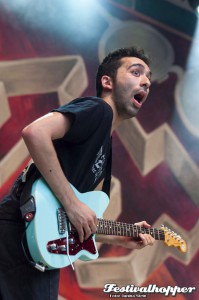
point(136, 103)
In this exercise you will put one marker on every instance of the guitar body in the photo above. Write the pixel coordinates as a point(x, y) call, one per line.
point(47, 242)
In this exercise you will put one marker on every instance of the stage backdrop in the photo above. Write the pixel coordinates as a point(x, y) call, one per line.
point(49, 52)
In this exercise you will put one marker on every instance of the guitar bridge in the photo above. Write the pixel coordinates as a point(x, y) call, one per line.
point(61, 217)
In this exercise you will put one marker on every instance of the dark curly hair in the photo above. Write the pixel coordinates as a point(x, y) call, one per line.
point(112, 62)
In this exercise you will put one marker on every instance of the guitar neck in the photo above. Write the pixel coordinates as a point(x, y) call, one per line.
point(109, 227)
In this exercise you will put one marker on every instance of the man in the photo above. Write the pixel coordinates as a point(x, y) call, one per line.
point(73, 144)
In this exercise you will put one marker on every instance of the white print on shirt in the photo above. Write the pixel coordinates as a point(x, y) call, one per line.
point(97, 168)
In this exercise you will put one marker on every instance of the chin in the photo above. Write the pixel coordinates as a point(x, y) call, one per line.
point(130, 114)
point(133, 112)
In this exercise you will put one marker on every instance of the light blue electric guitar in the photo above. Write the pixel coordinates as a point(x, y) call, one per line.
point(53, 242)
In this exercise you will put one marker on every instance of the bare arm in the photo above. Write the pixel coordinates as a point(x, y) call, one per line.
point(38, 137)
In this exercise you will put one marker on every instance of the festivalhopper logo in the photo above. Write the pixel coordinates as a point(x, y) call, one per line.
point(132, 291)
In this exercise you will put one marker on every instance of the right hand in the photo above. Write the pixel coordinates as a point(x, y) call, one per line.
point(83, 219)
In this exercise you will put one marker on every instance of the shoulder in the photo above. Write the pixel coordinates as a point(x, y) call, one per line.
point(84, 104)
point(88, 114)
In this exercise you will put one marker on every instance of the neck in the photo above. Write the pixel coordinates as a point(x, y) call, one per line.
point(108, 227)
point(116, 118)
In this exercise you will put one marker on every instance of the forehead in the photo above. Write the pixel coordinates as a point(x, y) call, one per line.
point(127, 62)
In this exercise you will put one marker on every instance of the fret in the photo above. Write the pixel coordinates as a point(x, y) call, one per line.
point(135, 231)
point(109, 227)
point(158, 235)
point(128, 230)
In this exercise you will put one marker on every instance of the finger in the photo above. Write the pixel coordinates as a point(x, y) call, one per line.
point(93, 227)
point(147, 239)
point(80, 232)
point(147, 225)
point(87, 232)
point(151, 241)
point(96, 221)
point(143, 239)
point(93, 224)
point(143, 223)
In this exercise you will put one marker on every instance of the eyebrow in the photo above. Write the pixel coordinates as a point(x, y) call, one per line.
point(141, 66)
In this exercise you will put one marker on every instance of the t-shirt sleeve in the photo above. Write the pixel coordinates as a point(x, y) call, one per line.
point(86, 117)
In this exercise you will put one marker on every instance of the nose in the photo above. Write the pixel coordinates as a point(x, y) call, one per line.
point(145, 82)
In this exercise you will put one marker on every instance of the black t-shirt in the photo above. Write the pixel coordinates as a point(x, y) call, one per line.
point(83, 152)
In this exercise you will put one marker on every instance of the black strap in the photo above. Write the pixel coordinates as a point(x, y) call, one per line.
point(107, 179)
point(30, 176)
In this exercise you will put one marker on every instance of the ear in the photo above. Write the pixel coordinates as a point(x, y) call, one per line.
point(107, 83)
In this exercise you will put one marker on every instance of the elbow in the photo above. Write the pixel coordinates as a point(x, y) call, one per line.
point(30, 133)
point(26, 133)
point(34, 135)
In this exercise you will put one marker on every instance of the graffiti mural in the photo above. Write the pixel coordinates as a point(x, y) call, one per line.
point(48, 55)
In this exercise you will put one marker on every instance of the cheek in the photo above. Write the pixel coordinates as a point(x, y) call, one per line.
point(125, 86)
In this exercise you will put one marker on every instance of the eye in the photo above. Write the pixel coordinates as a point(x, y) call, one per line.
point(136, 72)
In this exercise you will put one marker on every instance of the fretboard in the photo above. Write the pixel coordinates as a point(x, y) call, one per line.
point(109, 227)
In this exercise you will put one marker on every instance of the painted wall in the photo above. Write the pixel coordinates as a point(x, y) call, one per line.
point(48, 55)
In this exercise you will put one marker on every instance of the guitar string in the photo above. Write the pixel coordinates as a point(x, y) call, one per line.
point(129, 230)
point(105, 226)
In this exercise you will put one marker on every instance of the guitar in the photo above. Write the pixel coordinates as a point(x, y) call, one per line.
point(53, 242)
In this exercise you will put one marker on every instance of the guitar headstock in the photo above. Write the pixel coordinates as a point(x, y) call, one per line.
point(173, 239)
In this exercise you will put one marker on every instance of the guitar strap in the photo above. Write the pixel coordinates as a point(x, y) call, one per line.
point(27, 202)
point(107, 179)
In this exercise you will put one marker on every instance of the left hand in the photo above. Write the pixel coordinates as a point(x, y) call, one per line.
point(128, 242)
point(146, 239)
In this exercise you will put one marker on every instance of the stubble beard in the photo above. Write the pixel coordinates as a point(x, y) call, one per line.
point(123, 104)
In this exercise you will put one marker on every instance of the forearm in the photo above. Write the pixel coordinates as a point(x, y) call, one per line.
point(106, 239)
point(39, 137)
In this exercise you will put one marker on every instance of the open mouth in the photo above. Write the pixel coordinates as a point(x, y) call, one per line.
point(138, 99)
